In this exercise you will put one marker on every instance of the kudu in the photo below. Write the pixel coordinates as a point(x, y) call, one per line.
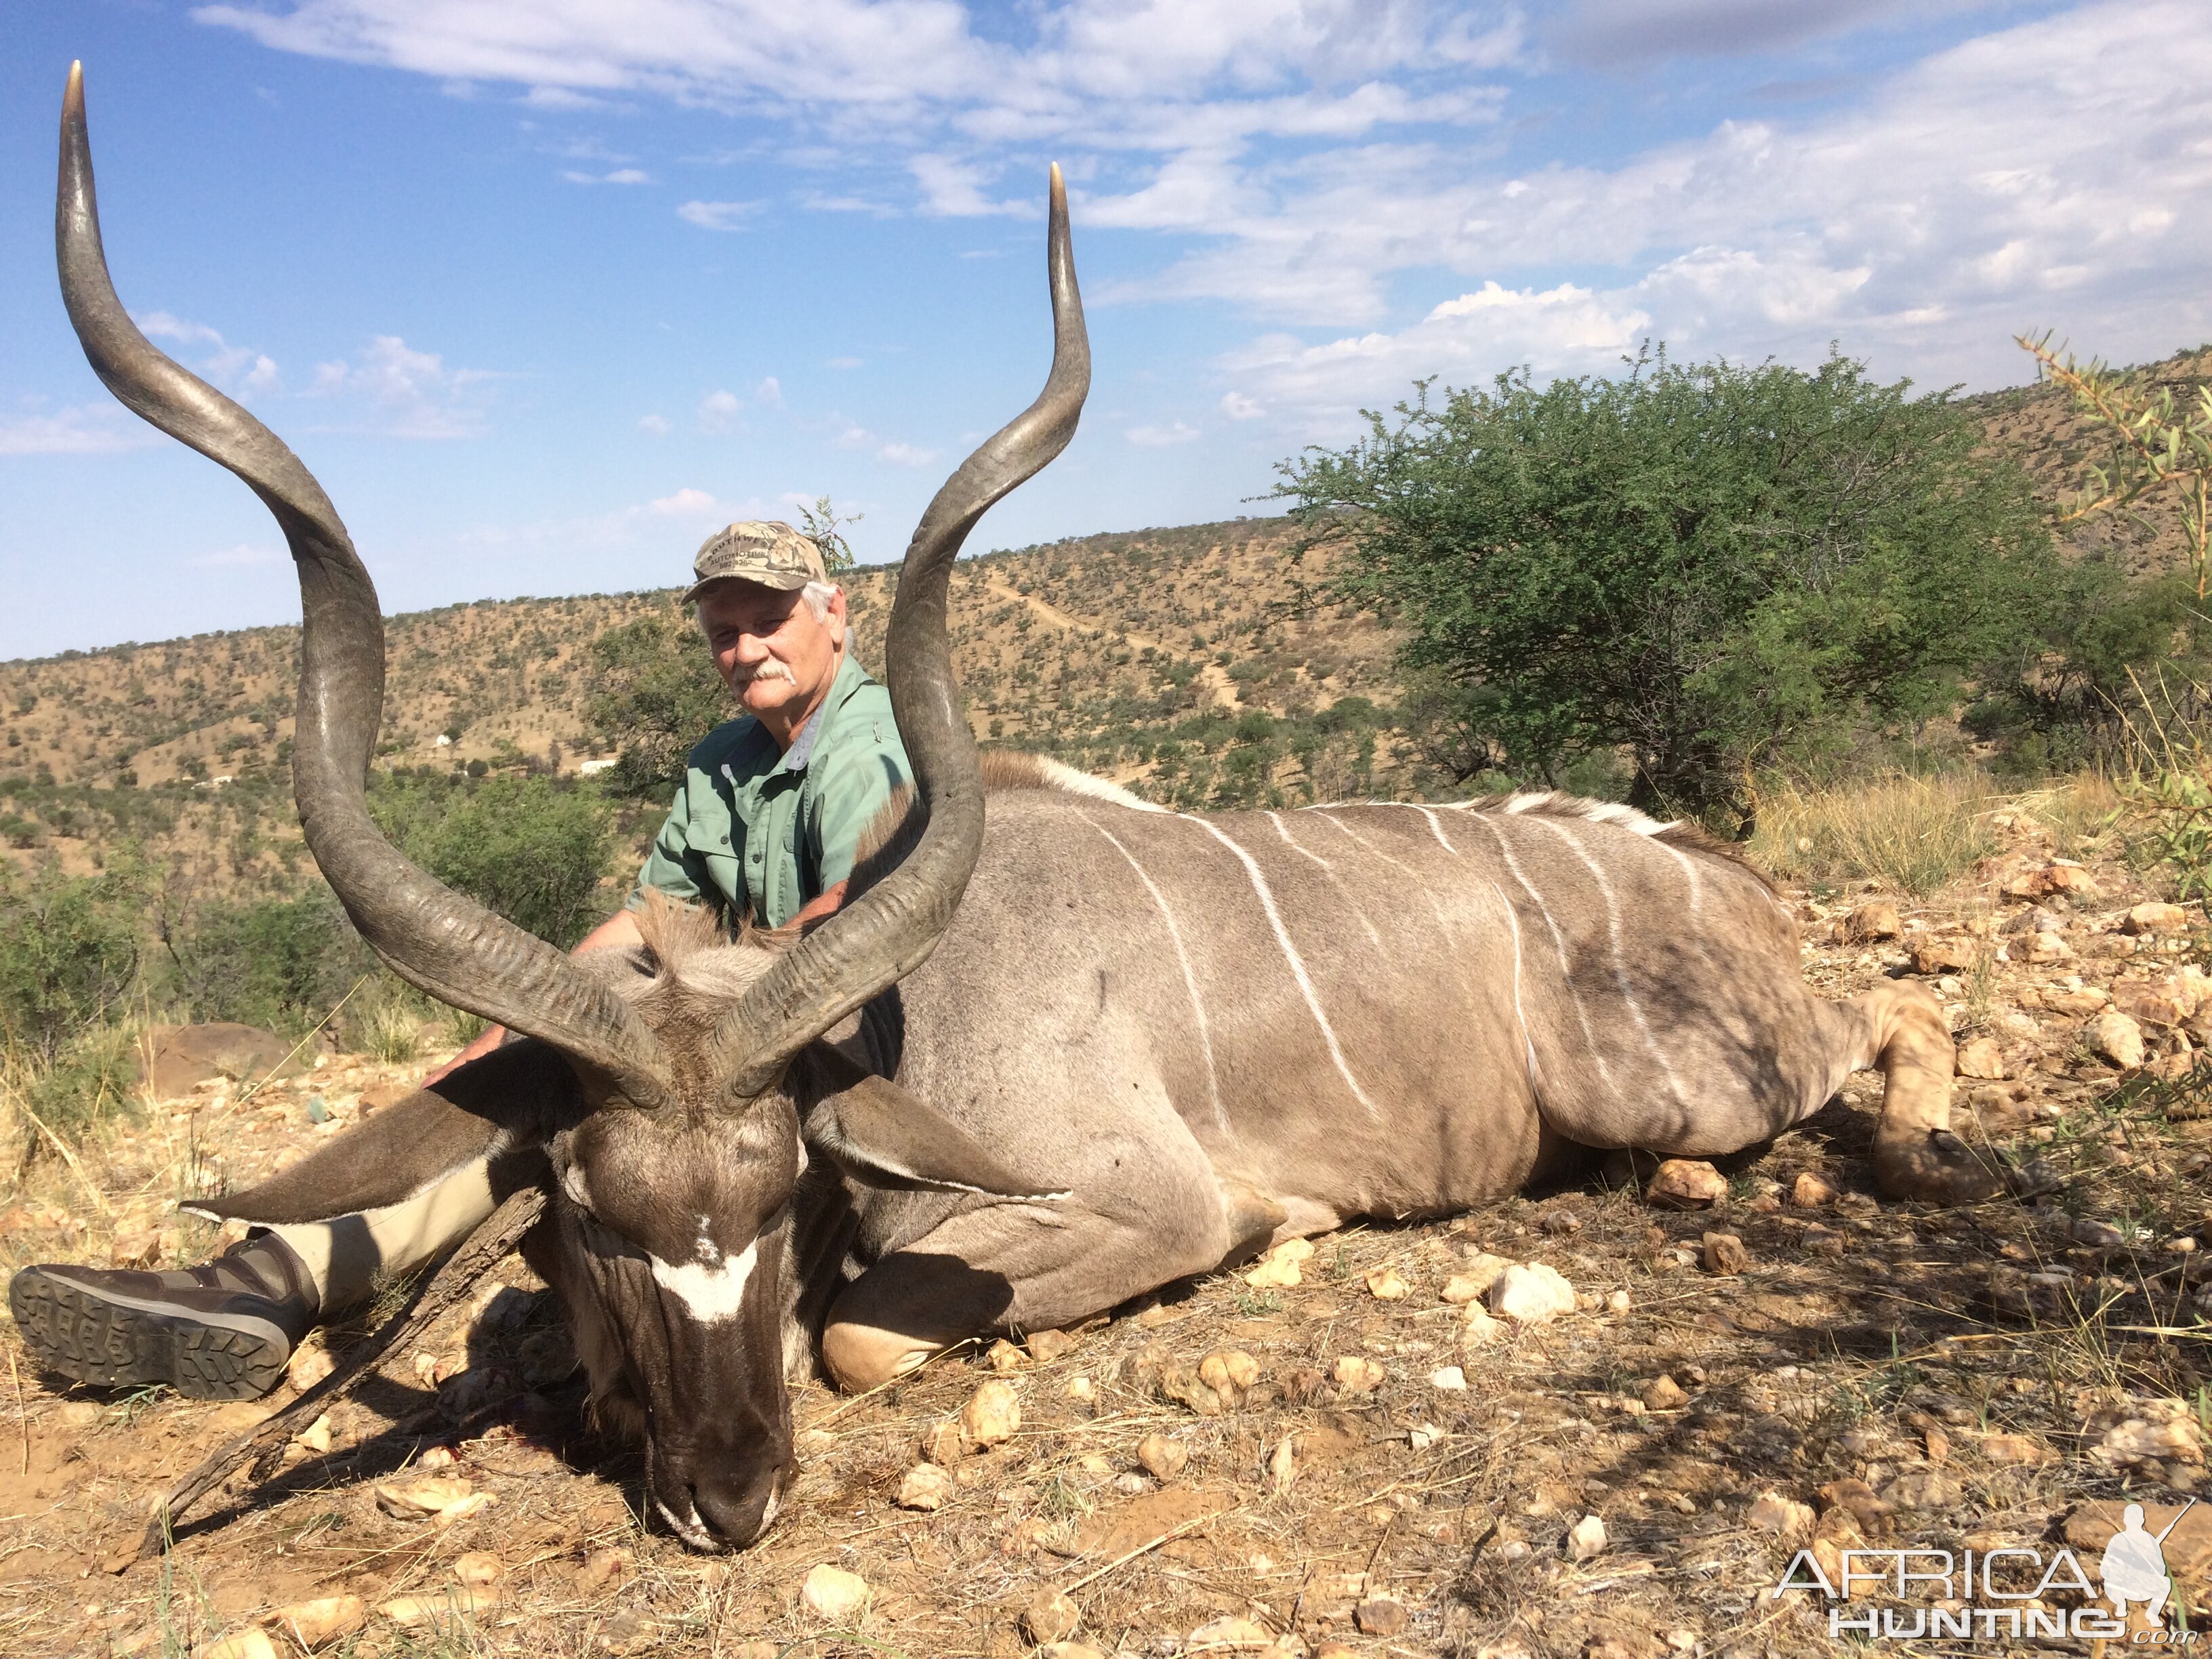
point(1146, 1043)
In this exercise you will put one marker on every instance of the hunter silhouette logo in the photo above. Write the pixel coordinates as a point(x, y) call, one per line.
point(2134, 1566)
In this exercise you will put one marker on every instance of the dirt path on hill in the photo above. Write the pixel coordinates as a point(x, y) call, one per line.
point(1211, 676)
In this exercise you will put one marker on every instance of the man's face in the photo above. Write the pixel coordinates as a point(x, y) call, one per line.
point(773, 652)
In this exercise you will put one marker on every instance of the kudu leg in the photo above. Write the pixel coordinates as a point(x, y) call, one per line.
point(1021, 1266)
point(1901, 1029)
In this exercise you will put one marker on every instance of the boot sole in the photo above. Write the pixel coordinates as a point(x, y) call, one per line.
point(116, 1341)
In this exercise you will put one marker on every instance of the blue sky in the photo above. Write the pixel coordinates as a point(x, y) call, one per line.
point(544, 290)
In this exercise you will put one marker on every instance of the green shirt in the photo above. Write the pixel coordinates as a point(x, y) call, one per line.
point(754, 827)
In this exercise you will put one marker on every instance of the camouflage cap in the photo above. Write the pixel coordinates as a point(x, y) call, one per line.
point(766, 551)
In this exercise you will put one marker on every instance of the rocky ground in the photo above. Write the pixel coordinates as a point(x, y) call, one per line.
point(1601, 1420)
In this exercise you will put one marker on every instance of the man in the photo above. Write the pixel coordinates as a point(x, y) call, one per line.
point(766, 823)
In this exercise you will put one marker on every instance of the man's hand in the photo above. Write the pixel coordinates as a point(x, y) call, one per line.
point(616, 932)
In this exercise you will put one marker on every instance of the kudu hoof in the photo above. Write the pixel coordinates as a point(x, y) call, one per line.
point(1939, 1167)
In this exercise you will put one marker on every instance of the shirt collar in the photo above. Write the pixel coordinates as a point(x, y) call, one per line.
point(850, 677)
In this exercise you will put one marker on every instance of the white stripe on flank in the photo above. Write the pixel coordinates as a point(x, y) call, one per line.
point(1527, 1043)
point(1558, 944)
point(1419, 882)
point(1436, 828)
point(1291, 955)
point(1690, 869)
point(1182, 956)
point(1329, 869)
point(1619, 967)
point(712, 1293)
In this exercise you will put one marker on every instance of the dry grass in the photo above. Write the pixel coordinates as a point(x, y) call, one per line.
point(1916, 834)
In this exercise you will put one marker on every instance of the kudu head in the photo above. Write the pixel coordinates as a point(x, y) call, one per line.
point(676, 1090)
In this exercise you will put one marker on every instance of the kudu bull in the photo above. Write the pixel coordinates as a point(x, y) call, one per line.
point(1143, 1045)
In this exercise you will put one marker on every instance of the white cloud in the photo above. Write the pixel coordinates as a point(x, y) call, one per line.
point(675, 522)
point(620, 176)
point(1160, 437)
point(1337, 165)
point(242, 372)
point(718, 410)
point(953, 189)
point(1565, 329)
point(769, 392)
point(657, 426)
point(1238, 407)
point(718, 215)
point(408, 393)
point(897, 454)
point(685, 503)
point(82, 429)
point(844, 362)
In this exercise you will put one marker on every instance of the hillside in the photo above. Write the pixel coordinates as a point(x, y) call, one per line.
point(1147, 655)
point(1185, 662)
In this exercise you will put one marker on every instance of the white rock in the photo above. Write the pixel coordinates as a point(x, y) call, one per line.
point(319, 1623)
point(834, 1594)
point(1450, 1379)
point(925, 1486)
point(1163, 1456)
point(1785, 1517)
point(1686, 1184)
point(1278, 1269)
point(2117, 1038)
point(1586, 1539)
point(1358, 1375)
point(1480, 1330)
point(991, 1415)
point(2137, 1441)
point(419, 1499)
point(1531, 1293)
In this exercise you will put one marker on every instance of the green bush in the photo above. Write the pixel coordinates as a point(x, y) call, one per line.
point(69, 954)
point(1706, 568)
point(281, 964)
point(534, 849)
point(658, 695)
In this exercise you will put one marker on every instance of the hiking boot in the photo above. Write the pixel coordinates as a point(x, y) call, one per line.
point(222, 1331)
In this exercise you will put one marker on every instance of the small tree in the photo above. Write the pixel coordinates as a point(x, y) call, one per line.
point(2152, 450)
point(69, 952)
point(822, 523)
point(658, 695)
point(279, 963)
point(1705, 567)
point(534, 849)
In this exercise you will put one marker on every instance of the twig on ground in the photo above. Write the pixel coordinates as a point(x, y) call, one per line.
point(302, 1043)
point(1143, 1549)
point(98, 1201)
point(265, 1442)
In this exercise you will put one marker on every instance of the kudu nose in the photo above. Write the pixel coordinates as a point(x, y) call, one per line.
point(738, 1509)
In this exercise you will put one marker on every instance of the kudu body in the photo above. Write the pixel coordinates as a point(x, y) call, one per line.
point(1146, 1043)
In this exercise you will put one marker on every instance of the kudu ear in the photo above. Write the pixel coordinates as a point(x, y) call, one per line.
point(886, 1136)
point(515, 1096)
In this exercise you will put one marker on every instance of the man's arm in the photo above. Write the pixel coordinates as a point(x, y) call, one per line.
point(618, 930)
